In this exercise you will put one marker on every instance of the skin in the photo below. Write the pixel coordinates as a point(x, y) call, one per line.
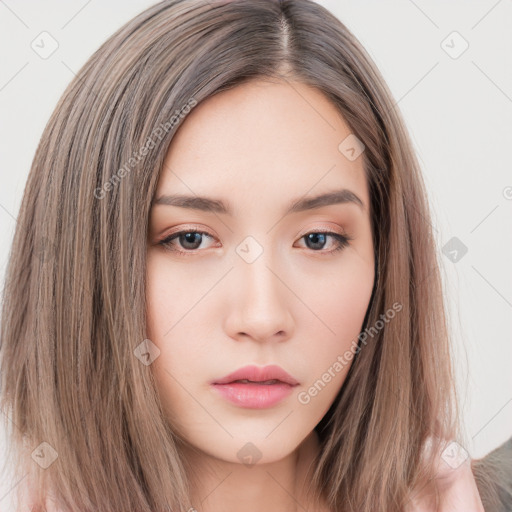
point(453, 489)
point(257, 147)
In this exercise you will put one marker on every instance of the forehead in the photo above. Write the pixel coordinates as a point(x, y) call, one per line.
point(262, 140)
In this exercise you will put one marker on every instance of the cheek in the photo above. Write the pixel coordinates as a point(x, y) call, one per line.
point(339, 298)
point(175, 369)
point(340, 303)
point(171, 296)
point(179, 316)
point(163, 328)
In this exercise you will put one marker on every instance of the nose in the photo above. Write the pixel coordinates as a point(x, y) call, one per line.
point(260, 302)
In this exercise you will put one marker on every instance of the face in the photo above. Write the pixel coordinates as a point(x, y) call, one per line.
point(271, 278)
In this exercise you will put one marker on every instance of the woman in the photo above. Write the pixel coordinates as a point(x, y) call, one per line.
point(262, 132)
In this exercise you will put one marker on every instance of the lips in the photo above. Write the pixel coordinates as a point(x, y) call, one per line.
point(267, 375)
point(252, 387)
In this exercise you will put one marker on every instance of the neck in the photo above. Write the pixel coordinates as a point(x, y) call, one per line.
point(279, 486)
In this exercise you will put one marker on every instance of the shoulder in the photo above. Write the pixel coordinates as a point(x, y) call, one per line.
point(475, 485)
point(452, 489)
point(493, 476)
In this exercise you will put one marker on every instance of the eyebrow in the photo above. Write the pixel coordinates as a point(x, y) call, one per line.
point(206, 204)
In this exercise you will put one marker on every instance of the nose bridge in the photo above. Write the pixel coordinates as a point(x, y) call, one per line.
point(254, 263)
point(260, 304)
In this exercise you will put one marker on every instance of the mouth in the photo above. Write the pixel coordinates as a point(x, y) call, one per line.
point(254, 395)
point(255, 374)
point(253, 387)
point(266, 382)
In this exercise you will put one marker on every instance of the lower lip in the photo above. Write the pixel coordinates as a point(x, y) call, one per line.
point(254, 396)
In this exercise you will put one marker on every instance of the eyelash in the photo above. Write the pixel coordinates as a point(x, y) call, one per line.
point(342, 241)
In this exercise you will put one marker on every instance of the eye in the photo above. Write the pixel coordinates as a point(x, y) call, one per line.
point(190, 241)
point(314, 239)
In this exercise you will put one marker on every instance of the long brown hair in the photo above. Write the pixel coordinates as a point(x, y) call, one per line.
point(74, 296)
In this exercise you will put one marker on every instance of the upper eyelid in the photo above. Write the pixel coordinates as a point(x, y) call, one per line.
point(207, 233)
point(319, 229)
point(188, 230)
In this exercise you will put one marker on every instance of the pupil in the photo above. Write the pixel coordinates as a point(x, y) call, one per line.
point(314, 238)
point(190, 238)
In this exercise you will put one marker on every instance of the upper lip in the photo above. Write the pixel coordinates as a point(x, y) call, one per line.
point(258, 374)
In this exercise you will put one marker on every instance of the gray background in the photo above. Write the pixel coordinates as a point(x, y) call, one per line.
point(458, 109)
